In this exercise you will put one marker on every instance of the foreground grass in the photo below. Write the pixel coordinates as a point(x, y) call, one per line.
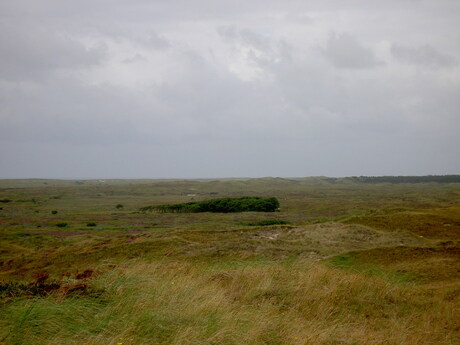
point(260, 303)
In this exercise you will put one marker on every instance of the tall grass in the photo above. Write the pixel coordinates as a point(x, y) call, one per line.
point(180, 303)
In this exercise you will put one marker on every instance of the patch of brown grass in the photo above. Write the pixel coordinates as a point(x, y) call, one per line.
point(434, 223)
point(440, 264)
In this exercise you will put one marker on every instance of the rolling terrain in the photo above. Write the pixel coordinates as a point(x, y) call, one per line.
point(345, 262)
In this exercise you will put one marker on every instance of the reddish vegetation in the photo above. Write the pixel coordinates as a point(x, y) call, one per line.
point(85, 274)
point(40, 286)
point(74, 288)
point(41, 277)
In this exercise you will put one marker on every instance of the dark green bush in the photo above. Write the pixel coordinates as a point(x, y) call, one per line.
point(61, 225)
point(119, 206)
point(5, 200)
point(223, 205)
point(91, 224)
point(54, 212)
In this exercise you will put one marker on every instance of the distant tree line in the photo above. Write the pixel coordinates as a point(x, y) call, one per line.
point(406, 179)
point(223, 205)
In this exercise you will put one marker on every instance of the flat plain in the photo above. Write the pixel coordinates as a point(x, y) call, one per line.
point(353, 263)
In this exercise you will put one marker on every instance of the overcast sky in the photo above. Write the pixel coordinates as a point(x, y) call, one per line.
point(214, 88)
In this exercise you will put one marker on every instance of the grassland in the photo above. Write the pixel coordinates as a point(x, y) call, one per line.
point(348, 263)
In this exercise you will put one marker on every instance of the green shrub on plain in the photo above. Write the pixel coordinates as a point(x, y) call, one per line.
point(223, 205)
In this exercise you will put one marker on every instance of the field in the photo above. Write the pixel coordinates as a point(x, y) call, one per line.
point(344, 263)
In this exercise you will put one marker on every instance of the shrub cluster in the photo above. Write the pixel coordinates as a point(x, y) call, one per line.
point(223, 205)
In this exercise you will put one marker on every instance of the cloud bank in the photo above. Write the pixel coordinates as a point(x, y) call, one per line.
point(185, 89)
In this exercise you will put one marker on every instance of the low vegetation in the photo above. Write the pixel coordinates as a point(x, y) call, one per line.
point(341, 263)
point(267, 222)
point(407, 179)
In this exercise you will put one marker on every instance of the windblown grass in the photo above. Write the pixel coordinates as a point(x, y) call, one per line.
point(284, 303)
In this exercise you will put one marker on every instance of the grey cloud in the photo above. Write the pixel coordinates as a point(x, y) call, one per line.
point(157, 41)
point(67, 112)
point(260, 49)
point(135, 58)
point(425, 55)
point(344, 51)
point(146, 11)
point(245, 36)
point(302, 17)
point(150, 39)
point(29, 52)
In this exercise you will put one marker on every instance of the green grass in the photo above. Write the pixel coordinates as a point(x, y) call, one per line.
point(351, 261)
point(266, 222)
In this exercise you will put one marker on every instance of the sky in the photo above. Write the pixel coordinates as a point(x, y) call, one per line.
point(214, 88)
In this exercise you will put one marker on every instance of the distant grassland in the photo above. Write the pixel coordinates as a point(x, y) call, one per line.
point(406, 179)
point(342, 262)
